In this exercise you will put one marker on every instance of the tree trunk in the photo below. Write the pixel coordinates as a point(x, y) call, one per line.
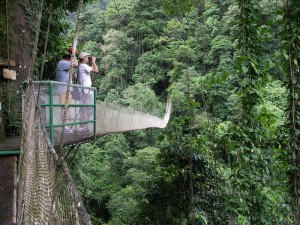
point(21, 50)
point(18, 55)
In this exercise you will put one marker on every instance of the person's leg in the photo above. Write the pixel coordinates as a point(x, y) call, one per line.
point(85, 112)
point(83, 117)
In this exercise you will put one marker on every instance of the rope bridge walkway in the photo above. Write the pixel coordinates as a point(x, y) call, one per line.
point(87, 118)
point(46, 190)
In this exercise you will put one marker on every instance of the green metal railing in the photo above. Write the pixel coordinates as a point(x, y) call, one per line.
point(10, 152)
point(47, 88)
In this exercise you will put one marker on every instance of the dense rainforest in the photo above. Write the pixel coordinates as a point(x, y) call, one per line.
point(230, 153)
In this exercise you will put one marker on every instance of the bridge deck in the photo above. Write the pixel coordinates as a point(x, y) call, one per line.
point(73, 138)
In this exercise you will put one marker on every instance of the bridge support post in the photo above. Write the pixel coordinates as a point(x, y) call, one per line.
point(51, 112)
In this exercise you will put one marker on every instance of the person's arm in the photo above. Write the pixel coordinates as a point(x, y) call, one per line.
point(94, 65)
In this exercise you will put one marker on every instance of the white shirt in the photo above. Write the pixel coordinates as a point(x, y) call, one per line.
point(85, 75)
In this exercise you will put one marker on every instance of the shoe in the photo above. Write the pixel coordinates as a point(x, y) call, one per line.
point(68, 130)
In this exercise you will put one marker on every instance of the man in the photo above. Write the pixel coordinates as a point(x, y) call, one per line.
point(62, 75)
point(84, 71)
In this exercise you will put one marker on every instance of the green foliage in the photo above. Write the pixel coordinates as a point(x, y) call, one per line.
point(178, 90)
point(145, 27)
point(275, 96)
point(148, 69)
point(11, 109)
point(91, 25)
point(223, 159)
point(118, 13)
point(4, 18)
point(97, 168)
point(115, 58)
point(125, 205)
point(290, 36)
point(178, 8)
point(143, 98)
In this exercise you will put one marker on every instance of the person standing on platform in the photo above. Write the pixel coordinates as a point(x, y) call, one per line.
point(62, 75)
point(85, 70)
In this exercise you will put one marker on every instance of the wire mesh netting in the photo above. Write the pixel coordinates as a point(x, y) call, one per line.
point(113, 118)
point(43, 194)
point(80, 121)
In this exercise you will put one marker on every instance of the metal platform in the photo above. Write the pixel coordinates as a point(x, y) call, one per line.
point(81, 110)
point(73, 139)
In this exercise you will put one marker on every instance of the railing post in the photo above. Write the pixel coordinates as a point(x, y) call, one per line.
point(95, 101)
point(51, 112)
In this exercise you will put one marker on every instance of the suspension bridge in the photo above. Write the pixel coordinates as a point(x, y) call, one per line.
point(37, 187)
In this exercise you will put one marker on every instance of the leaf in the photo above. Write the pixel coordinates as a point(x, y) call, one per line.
point(271, 64)
point(269, 77)
point(296, 62)
point(245, 69)
point(197, 104)
point(258, 151)
point(246, 158)
point(253, 66)
point(285, 56)
point(245, 81)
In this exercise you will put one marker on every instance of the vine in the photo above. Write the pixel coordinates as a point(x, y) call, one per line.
point(248, 135)
point(291, 37)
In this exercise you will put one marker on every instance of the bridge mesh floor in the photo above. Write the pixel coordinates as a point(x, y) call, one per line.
point(7, 179)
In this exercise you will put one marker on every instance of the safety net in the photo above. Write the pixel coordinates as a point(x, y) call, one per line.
point(113, 118)
point(46, 191)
